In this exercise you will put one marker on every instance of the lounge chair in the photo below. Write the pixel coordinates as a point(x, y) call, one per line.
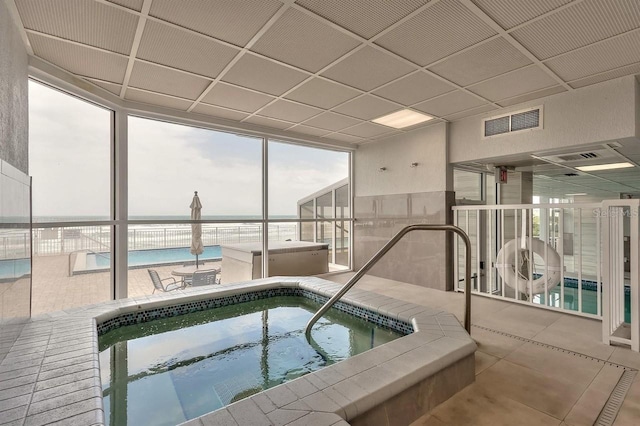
point(159, 285)
point(204, 278)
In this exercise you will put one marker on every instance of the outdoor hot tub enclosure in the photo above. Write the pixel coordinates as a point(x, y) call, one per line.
point(51, 373)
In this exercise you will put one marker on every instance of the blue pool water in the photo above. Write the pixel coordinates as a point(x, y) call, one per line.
point(155, 257)
point(14, 268)
point(167, 371)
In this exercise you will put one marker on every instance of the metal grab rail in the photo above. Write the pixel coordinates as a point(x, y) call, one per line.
point(376, 257)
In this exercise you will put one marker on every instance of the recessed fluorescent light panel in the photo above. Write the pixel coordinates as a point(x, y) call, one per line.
point(576, 194)
point(609, 166)
point(403, 118)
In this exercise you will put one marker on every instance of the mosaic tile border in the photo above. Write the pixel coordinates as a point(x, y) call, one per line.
point(151, 314)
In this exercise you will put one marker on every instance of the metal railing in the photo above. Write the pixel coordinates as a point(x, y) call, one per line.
point(376, 257)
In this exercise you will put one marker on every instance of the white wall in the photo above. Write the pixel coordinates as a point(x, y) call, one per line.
point(427, 146)
point(14, 112)
point(594, 114)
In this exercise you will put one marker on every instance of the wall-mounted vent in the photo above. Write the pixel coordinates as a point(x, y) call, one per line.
point(521, 120)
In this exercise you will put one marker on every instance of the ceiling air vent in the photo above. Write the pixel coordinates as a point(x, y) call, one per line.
point(520, 120)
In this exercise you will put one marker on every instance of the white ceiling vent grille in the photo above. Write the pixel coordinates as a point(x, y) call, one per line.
point(520, 120)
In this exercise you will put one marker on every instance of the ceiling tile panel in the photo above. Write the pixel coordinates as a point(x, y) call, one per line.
point(345, 138)
point(510, 13)
point(332, 121)
point(485, 61)
point(163, 80)
point(605, 56)
point(515, 83)
point(234, 21)
point(170, 46)
point(290, 38)
point(414, 88)
point(263, 75)
point(449, 104)
point(111, 87)
point(470, 112)
point(322, 93)
point(579, 25)
point(363, 17)
point(79, 60)
point(439, 31)
point(217, 112)
point(156, 99)
point(131, 4)
point(367, 107)
point(268, 122)
point(368, 130)
point(609, 75)
point(308, 130)
point(85, 22)
point(367, 69)
point(531, 96)
point(235, 97)
point(289, 111)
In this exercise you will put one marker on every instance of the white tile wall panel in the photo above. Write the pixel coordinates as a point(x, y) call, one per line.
point(180, 49)
point(515, 83)
point(131, 4)
point(480, 63)
point(85, 22)
point(164, 80)
point(156, 99)
point(414, 88)
point(289, 111)
point(579, 25)
point(111, 87)
point(228, 96)
point(367, 107)
point(605, 56)
point(215, 111)
point(367, 69)
point(435, 33)
point(332, 121)
point(234, 21)
point(363, 17)
point(79, 60)
point(305, 42)
point(368, 130)
point(449, 104)
point(608, 75)
point(322, 93)
point(345, 138)
point(268, 122)
point(313, 131)
point(263, 75)
point(510, 13)
point(531, 96)
point(469, 112)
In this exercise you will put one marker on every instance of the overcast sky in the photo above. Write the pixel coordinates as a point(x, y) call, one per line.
point(69, 161)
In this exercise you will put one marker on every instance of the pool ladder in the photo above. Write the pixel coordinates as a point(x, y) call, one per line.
point(376, 257)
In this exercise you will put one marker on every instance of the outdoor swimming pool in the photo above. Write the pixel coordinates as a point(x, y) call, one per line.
point(167, 371)
point(154, 257)
point(14, 268)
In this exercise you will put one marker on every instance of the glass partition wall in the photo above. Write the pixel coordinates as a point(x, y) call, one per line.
point(73, 163)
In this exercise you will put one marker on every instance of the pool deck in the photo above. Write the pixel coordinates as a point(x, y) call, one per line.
point(533, 366)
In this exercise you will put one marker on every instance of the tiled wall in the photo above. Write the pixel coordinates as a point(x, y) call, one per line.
point(421, 257)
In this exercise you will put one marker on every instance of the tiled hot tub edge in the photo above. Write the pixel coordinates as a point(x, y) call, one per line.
point(51, 372)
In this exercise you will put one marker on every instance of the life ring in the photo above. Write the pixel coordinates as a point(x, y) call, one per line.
point(505, 265)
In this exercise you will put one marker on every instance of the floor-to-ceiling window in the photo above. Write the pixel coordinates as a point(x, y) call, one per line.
point(70, 163)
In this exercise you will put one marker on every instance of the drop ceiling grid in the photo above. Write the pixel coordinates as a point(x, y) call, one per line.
point(519, 82)
point(331, 121)
point(435, 33)
point(90, 23)
point(152, 98)
point(485, 61)
point(606, 75)
point(322, 93)
point(511, 13)
point(365, 18)
point(289, 111)
point(129, 4)
point(215, 111)
point(237, 98)
point(165, 80)
point(603, 56)
point(578, 26)
point(288, 40)
point(78, 59)
point(449, 104)
point(549, 91)
point(111, 87)
point(234, 21)
point(413, 88)
point(182, 50)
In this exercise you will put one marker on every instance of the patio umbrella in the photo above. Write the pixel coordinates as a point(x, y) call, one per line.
point(196, 228)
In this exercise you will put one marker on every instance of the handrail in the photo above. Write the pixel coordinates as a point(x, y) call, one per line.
point(376, 257)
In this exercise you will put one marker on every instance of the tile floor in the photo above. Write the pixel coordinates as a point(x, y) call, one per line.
point(533, 366)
